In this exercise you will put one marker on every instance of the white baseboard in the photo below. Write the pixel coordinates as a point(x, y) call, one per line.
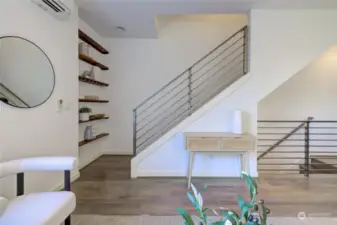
point(89, 160)
point(73, 178)
point(116, 152)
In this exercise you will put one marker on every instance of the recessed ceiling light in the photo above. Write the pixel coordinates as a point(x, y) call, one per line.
point(120, 28)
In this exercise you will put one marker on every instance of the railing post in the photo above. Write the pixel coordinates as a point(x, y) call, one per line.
point(190, 91)
point(245, 50)
point(307, 148)
point(135, 132)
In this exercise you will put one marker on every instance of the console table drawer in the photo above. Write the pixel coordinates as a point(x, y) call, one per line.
point(227, 143)
point(203, 143)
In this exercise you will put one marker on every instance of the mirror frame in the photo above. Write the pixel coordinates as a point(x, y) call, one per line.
point(52, 66)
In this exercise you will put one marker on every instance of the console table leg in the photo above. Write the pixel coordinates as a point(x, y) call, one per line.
point(190, 168)
point(243, 163)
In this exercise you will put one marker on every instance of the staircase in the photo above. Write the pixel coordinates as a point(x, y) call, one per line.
point(297, 147)
point(190, 90)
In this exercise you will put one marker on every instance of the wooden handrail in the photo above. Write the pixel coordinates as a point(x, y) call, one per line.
point(284, 138)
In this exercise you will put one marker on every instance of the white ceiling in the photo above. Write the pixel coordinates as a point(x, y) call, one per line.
point(138, 16)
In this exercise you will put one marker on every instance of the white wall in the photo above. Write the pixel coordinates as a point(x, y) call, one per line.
point(310, 92)
point(44, 130)
point(282, 42)
point(26, 71)
point(142, 66)
point(90, 152)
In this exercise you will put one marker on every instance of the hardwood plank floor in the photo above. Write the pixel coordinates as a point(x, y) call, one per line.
point(105, 188)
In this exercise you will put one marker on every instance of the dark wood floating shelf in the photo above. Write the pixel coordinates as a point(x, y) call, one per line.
point(103, 118)
point(84, 142)
point(84, 37)
point(92, 81)
point(93, 62)
point(93, 100)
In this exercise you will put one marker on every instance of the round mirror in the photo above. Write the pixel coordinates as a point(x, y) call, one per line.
point(26, 74)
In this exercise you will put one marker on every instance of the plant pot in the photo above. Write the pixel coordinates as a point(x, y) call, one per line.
point(84, 116)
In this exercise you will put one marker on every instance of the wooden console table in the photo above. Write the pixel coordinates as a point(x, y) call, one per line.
point(206, 142)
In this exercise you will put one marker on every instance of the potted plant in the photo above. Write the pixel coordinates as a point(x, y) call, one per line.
point(84, 113)
point(252, 213)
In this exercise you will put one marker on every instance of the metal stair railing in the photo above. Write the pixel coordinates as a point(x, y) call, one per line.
point(190, 90)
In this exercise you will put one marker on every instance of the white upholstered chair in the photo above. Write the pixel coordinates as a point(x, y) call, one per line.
point(46, 208)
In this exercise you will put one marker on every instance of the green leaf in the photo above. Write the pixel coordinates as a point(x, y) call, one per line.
point(251, 223)
point(187, 217)
point(244, 212)
point(205, 210)
point(215, 213)
point(232, 217)
point(264, 215)
point(218, 223)
point(194, 202)
point(250, 204)
point(251, 184)
point(241, 202)
point(195, 192)
point(200, 200)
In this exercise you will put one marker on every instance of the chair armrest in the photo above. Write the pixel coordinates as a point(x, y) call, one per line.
point(37, 164)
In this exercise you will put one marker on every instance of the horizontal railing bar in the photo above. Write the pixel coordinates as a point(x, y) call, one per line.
point(277, 127)
point(158, 116)
point(323, 121)
point(213, 94)
point(164, 119)
point(168, 100)
point(198, 89)
point(219, 46)
point(226, 72)
point(212, 76)
point(298, 139)
point(311, 127)
point(226, 57)
point(219, 70)
point(195, 107)
point(283, 158)
point(295, 146)
point(297, 152)
point(279, 169)
point(169, 123)
point(314, 169)
point(282, 121)
point(196, 63)
point(220, 54)
point(293, 164)
point(144, 110)
point(296, 121)
point(159, 107)
point(163, 96)
point(297, 134)
point(155, 125)
point(312, 156)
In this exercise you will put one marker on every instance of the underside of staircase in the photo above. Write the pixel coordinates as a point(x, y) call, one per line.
point(190, 90)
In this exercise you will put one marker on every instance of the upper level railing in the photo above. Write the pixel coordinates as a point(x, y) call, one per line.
point(190, 90)
point(297, 146)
